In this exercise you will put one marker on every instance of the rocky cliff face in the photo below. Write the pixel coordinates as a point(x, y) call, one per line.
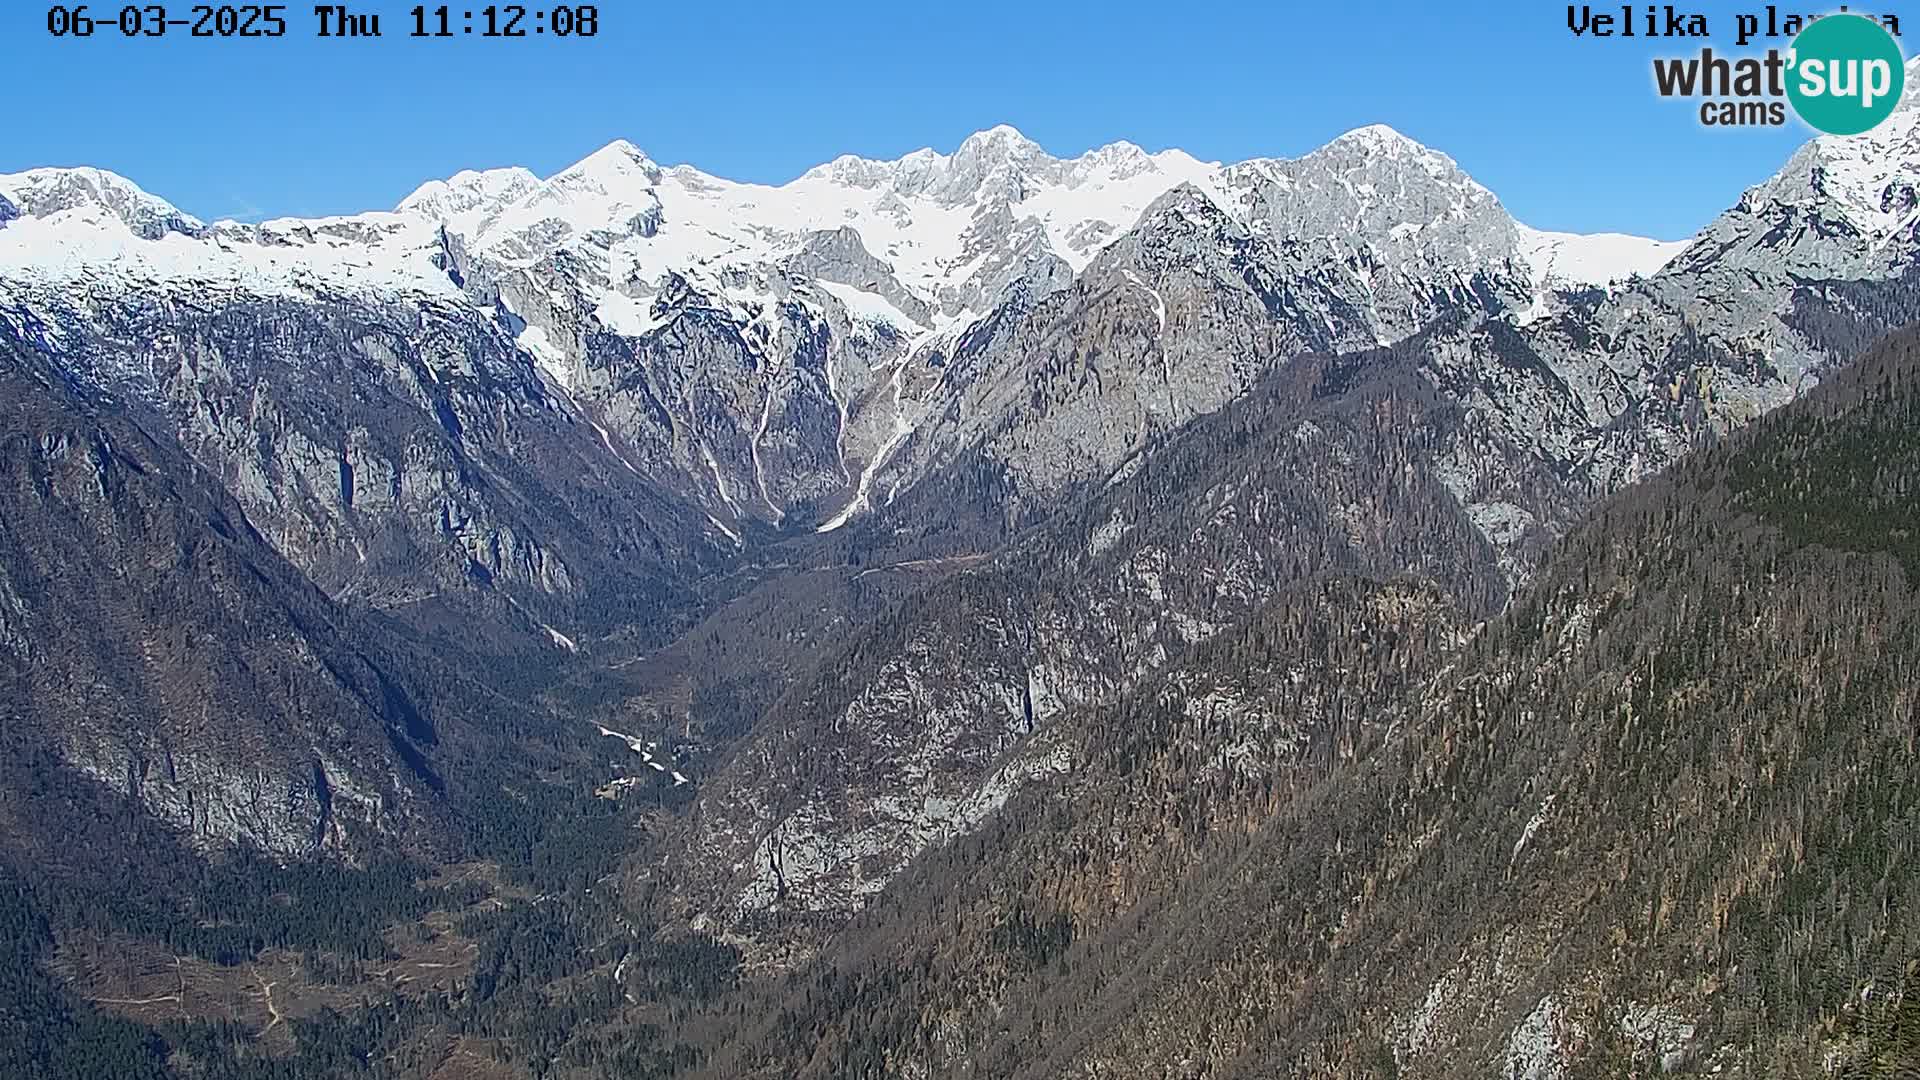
point(154, 644)
point(930, 719)
point(1373, 238)
point(1097, 604)
point(397, 454)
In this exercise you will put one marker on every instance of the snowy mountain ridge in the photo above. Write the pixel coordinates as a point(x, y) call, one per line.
point(934, 219)
point(914, 249)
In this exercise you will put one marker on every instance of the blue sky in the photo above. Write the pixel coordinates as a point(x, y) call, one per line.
point(1568, 132)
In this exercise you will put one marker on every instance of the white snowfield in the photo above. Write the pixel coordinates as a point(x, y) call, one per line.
point(1570, 260)
point(1855, 175)
point(1870, 176)
point(97, 230)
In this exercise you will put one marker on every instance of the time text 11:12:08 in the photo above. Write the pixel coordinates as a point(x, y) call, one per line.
point(507, 20)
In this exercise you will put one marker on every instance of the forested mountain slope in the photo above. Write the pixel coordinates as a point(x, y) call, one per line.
point(1661, 813)
point(921, 724)
point(260, 830)
point(926, 720)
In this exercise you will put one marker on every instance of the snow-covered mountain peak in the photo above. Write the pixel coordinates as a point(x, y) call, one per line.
point(39, 193)
point(851, 170)
point(802, 352)
point(991, 166)
point(932, 236)
point(998, 141)
point(1873, 176)
point(1870, 179)
point(911, 174)
point(1006, 150)
point(1374, 187)
point(1379, 138)
point(1379, 149)
point(469, 192)
point(615, 191)
point(1124, 161)
point(1115, 154)
point(619, 164)
point(1187, 212)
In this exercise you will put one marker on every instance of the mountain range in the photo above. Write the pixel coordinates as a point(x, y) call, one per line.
point(975, 614)
point(794, 352)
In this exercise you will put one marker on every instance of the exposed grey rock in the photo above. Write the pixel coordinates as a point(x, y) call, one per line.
point(397, 454)
point(840, 256)
point(1552, 405)
point(470, 193)
point(856, 329)
point(1406, 234)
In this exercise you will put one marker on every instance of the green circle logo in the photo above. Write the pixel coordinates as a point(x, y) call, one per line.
point(1846, 74)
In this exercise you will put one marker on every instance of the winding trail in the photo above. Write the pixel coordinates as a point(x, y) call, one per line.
point(266, 994)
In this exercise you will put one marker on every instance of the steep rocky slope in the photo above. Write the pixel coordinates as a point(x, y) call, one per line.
point(722, 364)
point(773, 353)
point(1489, 433)
point(401, 455)
point(1382, 463)
point(1211, 291)
point(160, 654)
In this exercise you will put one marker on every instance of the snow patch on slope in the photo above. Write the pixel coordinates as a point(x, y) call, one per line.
point(465, 199)
point(868, 306)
